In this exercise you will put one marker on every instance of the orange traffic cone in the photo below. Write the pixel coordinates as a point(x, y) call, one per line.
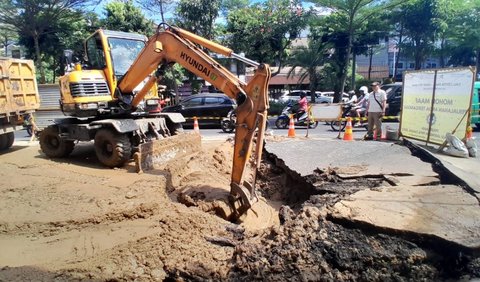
point(384, 135)
point(348, 136)
point(196, 129)
point(291, 127)
point(469, 134)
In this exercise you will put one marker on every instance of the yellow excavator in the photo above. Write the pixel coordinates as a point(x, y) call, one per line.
point(114, 101)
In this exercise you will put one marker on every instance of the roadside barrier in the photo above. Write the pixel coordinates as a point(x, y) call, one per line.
point(316, 119)
point(365, 118)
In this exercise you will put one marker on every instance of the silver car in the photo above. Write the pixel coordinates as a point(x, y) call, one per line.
point(294, 96)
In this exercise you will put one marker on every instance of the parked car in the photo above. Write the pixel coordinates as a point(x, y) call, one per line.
point(294, 96)
point(345, 96)
point(209, 108)
point(394, 98)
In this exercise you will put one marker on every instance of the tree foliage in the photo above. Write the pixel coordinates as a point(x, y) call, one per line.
point(265, 31)
point(463, 36)
point(124, 16)
point(7, 36)
point(38, 23)
point(420, 28)
point(308, 62)
point(158, 6)
point(228, 6)
point(198, 16)
point(347, 17)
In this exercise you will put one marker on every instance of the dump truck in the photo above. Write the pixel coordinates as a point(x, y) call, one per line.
point(112, 100)
point(18, 97)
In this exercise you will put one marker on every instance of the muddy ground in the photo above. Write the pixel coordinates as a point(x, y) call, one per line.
point(64, 220)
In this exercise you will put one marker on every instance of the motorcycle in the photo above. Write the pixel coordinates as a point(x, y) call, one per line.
point(339, 125)
point(28, 124)
point(283, 120)
point(228, 123)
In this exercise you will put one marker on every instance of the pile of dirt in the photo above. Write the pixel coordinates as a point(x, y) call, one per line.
point(71, 219)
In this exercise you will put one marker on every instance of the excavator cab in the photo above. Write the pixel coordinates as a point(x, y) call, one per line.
point(91, 91)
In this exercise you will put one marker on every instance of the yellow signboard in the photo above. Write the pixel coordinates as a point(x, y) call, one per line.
point(436, 102)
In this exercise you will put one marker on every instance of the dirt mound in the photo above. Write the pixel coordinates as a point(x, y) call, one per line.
point(68, 221)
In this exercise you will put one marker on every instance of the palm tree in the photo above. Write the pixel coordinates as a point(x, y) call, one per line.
point(308, 62)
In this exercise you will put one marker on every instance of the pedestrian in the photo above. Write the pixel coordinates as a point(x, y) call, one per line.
point(377, 102)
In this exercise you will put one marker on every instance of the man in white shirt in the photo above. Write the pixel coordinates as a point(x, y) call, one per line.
point(377, 103)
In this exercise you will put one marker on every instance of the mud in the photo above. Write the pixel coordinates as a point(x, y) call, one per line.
point(68, 220)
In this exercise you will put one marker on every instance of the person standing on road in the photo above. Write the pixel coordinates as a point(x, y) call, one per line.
point(377, 103)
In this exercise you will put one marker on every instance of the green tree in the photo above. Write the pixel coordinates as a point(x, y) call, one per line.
point(231, 5)
point(420, 28)
point(198, 16)
point(446, 11)
point(307, 62)
point(158, 6)
point(7, 36)
point(265, 31)
point(348, 16)
point(464, 36)
point(35, 20)
point(124, 16)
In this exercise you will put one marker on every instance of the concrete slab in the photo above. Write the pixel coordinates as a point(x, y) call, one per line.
point(351, 158)
point(430, 210)
point(414, 180)
point(465, 168)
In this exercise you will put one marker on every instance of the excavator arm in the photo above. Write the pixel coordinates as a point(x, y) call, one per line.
point(175, 45)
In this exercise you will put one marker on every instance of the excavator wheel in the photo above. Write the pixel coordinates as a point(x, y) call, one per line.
point(52, 145)
point(113, 149)
point(175, 128)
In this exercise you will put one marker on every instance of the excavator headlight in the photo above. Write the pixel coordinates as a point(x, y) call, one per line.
point(88, 106)
point(152, 102)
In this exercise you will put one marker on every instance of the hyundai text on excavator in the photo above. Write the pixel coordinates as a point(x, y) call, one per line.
point(113, 102)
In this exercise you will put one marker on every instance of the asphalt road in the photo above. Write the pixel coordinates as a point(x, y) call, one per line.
point(322, 131)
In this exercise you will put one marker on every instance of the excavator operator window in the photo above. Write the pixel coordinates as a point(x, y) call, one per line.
point(95, 54)
point(124, 52)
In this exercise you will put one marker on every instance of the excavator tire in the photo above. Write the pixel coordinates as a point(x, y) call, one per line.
point(113, 149)
point(52, 145)
point(175, 128)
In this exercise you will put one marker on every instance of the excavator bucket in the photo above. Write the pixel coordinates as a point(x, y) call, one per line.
point(157, 153)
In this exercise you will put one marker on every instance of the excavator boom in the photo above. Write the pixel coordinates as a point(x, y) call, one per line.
point(175, 45)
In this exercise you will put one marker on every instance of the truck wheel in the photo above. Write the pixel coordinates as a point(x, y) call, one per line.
point(52, 145)
point(3, 142)
point(113, 149)
point(10, 139)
